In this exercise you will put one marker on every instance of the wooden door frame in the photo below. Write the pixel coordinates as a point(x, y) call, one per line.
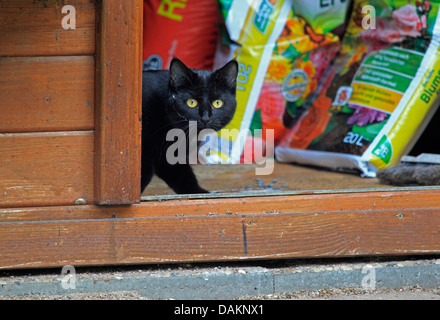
point(118, 102)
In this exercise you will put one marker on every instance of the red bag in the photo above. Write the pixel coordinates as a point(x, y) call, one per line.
point(186, 29)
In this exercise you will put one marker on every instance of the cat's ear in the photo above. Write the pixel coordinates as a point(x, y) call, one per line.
point(229, 73)
point(179, 73)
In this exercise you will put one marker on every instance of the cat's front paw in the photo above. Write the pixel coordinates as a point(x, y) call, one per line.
point(201, 190)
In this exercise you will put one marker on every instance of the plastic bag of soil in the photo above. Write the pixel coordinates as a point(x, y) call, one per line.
point(184, 29)
point(250, 32)
point(283, 48)
point(375, 99)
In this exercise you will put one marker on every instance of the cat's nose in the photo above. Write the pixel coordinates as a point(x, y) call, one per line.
point(205, 118)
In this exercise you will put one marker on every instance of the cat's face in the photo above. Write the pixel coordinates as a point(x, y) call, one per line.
point(202, 96)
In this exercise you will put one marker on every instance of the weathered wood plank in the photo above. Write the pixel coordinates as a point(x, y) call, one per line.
point(33, 28)
point(301, 226)
point(47, 93)
point(118, 102)
point(115, 241)
point(328, 202)
point(349, 233)
point(42, 169)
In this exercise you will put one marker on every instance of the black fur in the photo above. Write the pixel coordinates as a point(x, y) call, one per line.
point(164, 107)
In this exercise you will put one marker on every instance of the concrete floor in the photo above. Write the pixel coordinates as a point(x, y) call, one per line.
point(355, 279)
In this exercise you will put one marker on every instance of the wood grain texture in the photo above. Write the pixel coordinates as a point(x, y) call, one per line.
point(33, 28)
point(119, 102)
point(190, 231)
point(47, 93)
point(43, 169)
point(242, 179)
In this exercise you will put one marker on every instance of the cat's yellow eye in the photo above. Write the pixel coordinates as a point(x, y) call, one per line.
point(217, 103)
point(192, 103)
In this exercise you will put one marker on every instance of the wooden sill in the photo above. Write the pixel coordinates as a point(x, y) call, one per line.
point(344, 224)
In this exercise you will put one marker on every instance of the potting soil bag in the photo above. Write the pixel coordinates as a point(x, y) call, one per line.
point(372, 103)
point(252, 29)
point(299, 61)
point(187, 30)
point(283, 49)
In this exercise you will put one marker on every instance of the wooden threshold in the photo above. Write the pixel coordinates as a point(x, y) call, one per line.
point(273, 193)
point(399, 222)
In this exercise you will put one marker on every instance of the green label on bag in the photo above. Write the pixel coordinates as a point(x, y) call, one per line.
point(384, 150)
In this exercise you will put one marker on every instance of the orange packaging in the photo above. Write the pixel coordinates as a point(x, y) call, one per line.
point(180, 28)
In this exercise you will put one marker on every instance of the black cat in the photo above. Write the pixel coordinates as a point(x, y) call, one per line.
point(170, 100)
